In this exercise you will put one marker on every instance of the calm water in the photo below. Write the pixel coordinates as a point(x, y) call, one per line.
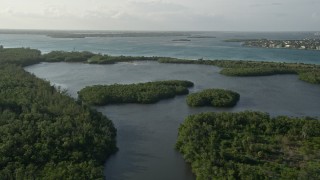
point(210, 48)
point(147, 133)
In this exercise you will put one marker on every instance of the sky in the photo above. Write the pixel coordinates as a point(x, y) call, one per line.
point(160, 15)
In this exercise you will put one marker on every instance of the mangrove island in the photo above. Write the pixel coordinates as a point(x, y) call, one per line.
point(213, 97)
point(144, 93)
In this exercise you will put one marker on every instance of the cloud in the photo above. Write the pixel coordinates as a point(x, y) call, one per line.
point(280, 15)
point(276, 4)
point(265, 5)
point(161, 14)
point(54, 12)
point(48, 12)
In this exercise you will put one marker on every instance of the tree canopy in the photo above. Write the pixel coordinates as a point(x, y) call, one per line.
point(213, 97)
point(45, 134)
point(250, 145)
point(307, 72)
point(63, 56)
point(144, 93)
point(19, 56)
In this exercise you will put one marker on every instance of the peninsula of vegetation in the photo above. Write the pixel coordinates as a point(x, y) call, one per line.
point(110, 34)
point(91, 58)
point(307, 72)
point(144, 93)
point(213, 97)
point(44, 133)
point(307, 44)
point(89, 34)
point(182, 40)
point(201, 37)
point(250, 145)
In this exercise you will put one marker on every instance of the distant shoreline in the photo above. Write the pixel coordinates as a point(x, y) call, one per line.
point(305, 44)
point(25, 56)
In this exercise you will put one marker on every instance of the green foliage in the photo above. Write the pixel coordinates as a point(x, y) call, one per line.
point(63, 56)
point(144, 93)
point(255, 71)
point(45, 134)
point(25, 56)
point(250, 145)
point(107, 59)
point(19, 56)
point(213, 97)
point(307, 72)
point(91, 58)
point(310, 77)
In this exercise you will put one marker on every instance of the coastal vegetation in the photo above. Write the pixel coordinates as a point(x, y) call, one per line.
point(19, 56)
point(201, 37)
point(80, 34)
point(44, 133)
point(257, 71)
point(181, 40)
point(310, 76)
point(26, 56)
point(88, 57)
point(306, 72)
point(92, 34)
point(107, 59)
point(63, 56)
point(250, 145)
point(213, 97)
point(144, 93)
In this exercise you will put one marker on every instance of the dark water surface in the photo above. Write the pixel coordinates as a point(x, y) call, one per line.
point(147, 133)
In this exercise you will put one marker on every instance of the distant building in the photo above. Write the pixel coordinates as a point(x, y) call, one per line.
point(279, 46)
point(289, 44)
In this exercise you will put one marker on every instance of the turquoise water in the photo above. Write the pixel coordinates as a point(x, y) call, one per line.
point(207, 48)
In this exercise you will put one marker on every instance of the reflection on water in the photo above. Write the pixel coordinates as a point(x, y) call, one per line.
point(147, 133)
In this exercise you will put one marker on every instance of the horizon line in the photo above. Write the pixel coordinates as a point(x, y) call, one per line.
point(132, 30)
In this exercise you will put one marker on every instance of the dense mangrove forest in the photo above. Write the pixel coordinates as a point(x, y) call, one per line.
point(91, 58)
point(19, 56)
point(44, 133)
point(250, 145)
point(144, 93)
point(213, 97)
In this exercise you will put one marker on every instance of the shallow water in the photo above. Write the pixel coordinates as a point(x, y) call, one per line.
point(147, 133)
point(207, 48)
